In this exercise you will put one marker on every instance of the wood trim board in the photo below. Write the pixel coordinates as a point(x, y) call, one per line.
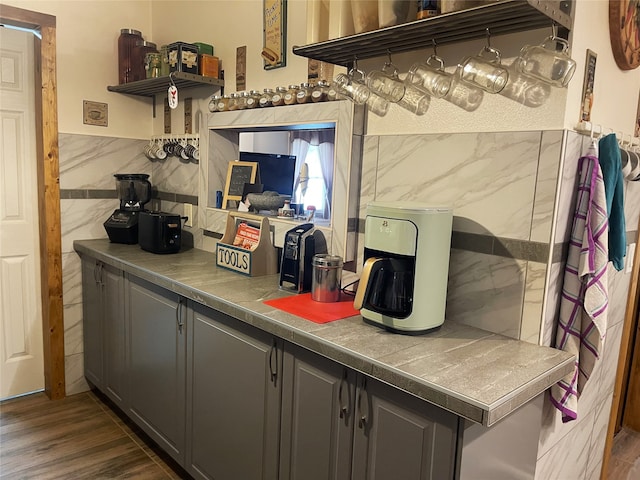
point(48, 166)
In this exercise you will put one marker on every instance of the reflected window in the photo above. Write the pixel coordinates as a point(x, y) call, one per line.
point(316, 193)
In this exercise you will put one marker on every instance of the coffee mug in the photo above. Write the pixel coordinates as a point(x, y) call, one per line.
point(184, 154)
point(386, 83)
point(354, 91)
point(168, 147)
point(375, 103)
point(524, 89)
point(547, 64)
point(156, 150)
point(414, 99)
point(147, 151)
point(484, 71)
point(431, 78)
point(177, 149)
point(464, 95)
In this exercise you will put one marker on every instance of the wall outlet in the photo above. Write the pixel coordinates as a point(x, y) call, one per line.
point(188, 212)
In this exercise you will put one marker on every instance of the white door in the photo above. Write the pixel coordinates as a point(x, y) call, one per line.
point(21, 351)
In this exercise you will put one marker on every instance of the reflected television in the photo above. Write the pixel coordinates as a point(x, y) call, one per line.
point(276, 171)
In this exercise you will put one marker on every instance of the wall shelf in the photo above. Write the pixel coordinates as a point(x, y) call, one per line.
point(151, 86)
point(502, 17)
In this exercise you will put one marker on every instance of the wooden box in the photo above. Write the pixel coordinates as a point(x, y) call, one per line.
point(209, 66)
point(262, 260)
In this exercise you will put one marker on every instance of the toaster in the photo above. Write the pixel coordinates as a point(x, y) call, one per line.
point(159, 232)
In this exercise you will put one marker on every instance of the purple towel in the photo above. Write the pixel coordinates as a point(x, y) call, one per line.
point(583, 306)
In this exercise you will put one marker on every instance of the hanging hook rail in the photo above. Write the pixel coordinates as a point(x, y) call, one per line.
point(596, 131)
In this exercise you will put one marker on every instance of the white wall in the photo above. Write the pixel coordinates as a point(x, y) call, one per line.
point(616, 91)
point(87, 61)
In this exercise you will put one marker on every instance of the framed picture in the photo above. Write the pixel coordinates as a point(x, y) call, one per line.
point(95, 113)
point(238, 173)
point(275, 34)
point(587, 86)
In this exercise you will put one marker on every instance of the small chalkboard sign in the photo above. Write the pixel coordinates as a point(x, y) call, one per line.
point(238, 173)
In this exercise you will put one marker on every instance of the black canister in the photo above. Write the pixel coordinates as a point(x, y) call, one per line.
point(126, 45)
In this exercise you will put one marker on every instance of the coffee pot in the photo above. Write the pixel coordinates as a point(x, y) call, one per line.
point(403, 286)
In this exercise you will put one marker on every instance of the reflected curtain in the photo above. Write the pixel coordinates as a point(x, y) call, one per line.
point(323, 139)
point(300, 142)
point(326, 163)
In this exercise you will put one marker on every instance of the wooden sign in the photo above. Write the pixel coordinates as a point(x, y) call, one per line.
point(238, 173)
point(261, 259)
point(275, 29)
point(233, 258)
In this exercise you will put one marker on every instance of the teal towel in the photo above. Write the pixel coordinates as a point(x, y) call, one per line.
point(609, 158)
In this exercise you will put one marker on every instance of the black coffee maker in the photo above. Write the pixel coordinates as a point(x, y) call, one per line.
point(134, 192)
point(300, 245)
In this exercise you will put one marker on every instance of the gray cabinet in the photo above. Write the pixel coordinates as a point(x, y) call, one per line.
point(157, 363)
point(400, 436)
point(332, 430)
point(92, 314)
point(229, 401)
point(234, 391)
point(317, 417)
point(103, 328)
point(114, 325)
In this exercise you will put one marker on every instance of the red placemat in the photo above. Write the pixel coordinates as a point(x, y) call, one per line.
point(319, 312)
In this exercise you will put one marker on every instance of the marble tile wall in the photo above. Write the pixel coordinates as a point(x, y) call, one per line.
point(87, 165)
point(575, 449)
point(502, 187)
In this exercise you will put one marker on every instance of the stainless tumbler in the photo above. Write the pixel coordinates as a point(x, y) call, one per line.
point(327, 273)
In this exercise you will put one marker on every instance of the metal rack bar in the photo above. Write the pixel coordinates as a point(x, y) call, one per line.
point(149, 87)
point(596, 130)
point(502, 17)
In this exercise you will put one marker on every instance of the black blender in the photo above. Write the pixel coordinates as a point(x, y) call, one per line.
point(134, 191)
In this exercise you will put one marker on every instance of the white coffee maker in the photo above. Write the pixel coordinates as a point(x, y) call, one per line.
point(403, 286)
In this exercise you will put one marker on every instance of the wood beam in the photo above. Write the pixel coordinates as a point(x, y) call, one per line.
point(48, 168)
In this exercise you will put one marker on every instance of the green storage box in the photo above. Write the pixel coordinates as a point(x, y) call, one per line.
point(204, 48)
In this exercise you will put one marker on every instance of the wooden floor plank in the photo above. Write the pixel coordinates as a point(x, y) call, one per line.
point(79, 437)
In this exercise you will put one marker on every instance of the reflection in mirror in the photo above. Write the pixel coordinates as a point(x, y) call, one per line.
point(308, 180)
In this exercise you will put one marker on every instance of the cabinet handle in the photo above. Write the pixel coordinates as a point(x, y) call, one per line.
point(344, 410)
point(273, 356)
point(179, 316)
point(362, 421)
point(97, 273)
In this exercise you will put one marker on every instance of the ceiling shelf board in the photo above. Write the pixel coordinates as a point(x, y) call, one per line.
point(503, 17)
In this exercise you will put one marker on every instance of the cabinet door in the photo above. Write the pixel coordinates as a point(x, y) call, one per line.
point(234, 399)
point(113, 308)
point(157, 364)
point(400, 436)
point(92, 321)
point(317, 417)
